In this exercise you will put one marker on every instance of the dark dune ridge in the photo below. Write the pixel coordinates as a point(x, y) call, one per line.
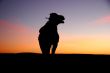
point(57, 59)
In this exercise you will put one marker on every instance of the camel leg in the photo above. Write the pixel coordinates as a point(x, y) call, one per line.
point(54, 48)
point(45, 47)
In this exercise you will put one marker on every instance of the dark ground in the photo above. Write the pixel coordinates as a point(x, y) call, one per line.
point(58, 59)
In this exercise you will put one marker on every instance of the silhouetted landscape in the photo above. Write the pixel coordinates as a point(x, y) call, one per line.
point(57, 59)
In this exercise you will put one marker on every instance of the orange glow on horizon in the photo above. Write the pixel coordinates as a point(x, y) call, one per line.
point(85, 45)
point(67, 45)
point(25, 40)
point(75, 45)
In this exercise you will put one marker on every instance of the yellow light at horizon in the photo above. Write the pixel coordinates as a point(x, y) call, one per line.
point(91, 45)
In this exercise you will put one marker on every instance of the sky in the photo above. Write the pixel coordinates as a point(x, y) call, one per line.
point(86, 29)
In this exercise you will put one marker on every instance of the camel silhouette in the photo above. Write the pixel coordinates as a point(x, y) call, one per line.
point(49, 37)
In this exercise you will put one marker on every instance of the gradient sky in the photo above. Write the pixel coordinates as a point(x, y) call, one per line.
point(86, 29)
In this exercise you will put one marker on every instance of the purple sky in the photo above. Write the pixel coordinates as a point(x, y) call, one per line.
point(78, 13)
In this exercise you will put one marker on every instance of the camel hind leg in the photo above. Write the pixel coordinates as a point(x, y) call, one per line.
point(45, 47)
point(54, 48)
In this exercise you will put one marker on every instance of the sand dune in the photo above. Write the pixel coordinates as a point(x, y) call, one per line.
point(58, 59)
